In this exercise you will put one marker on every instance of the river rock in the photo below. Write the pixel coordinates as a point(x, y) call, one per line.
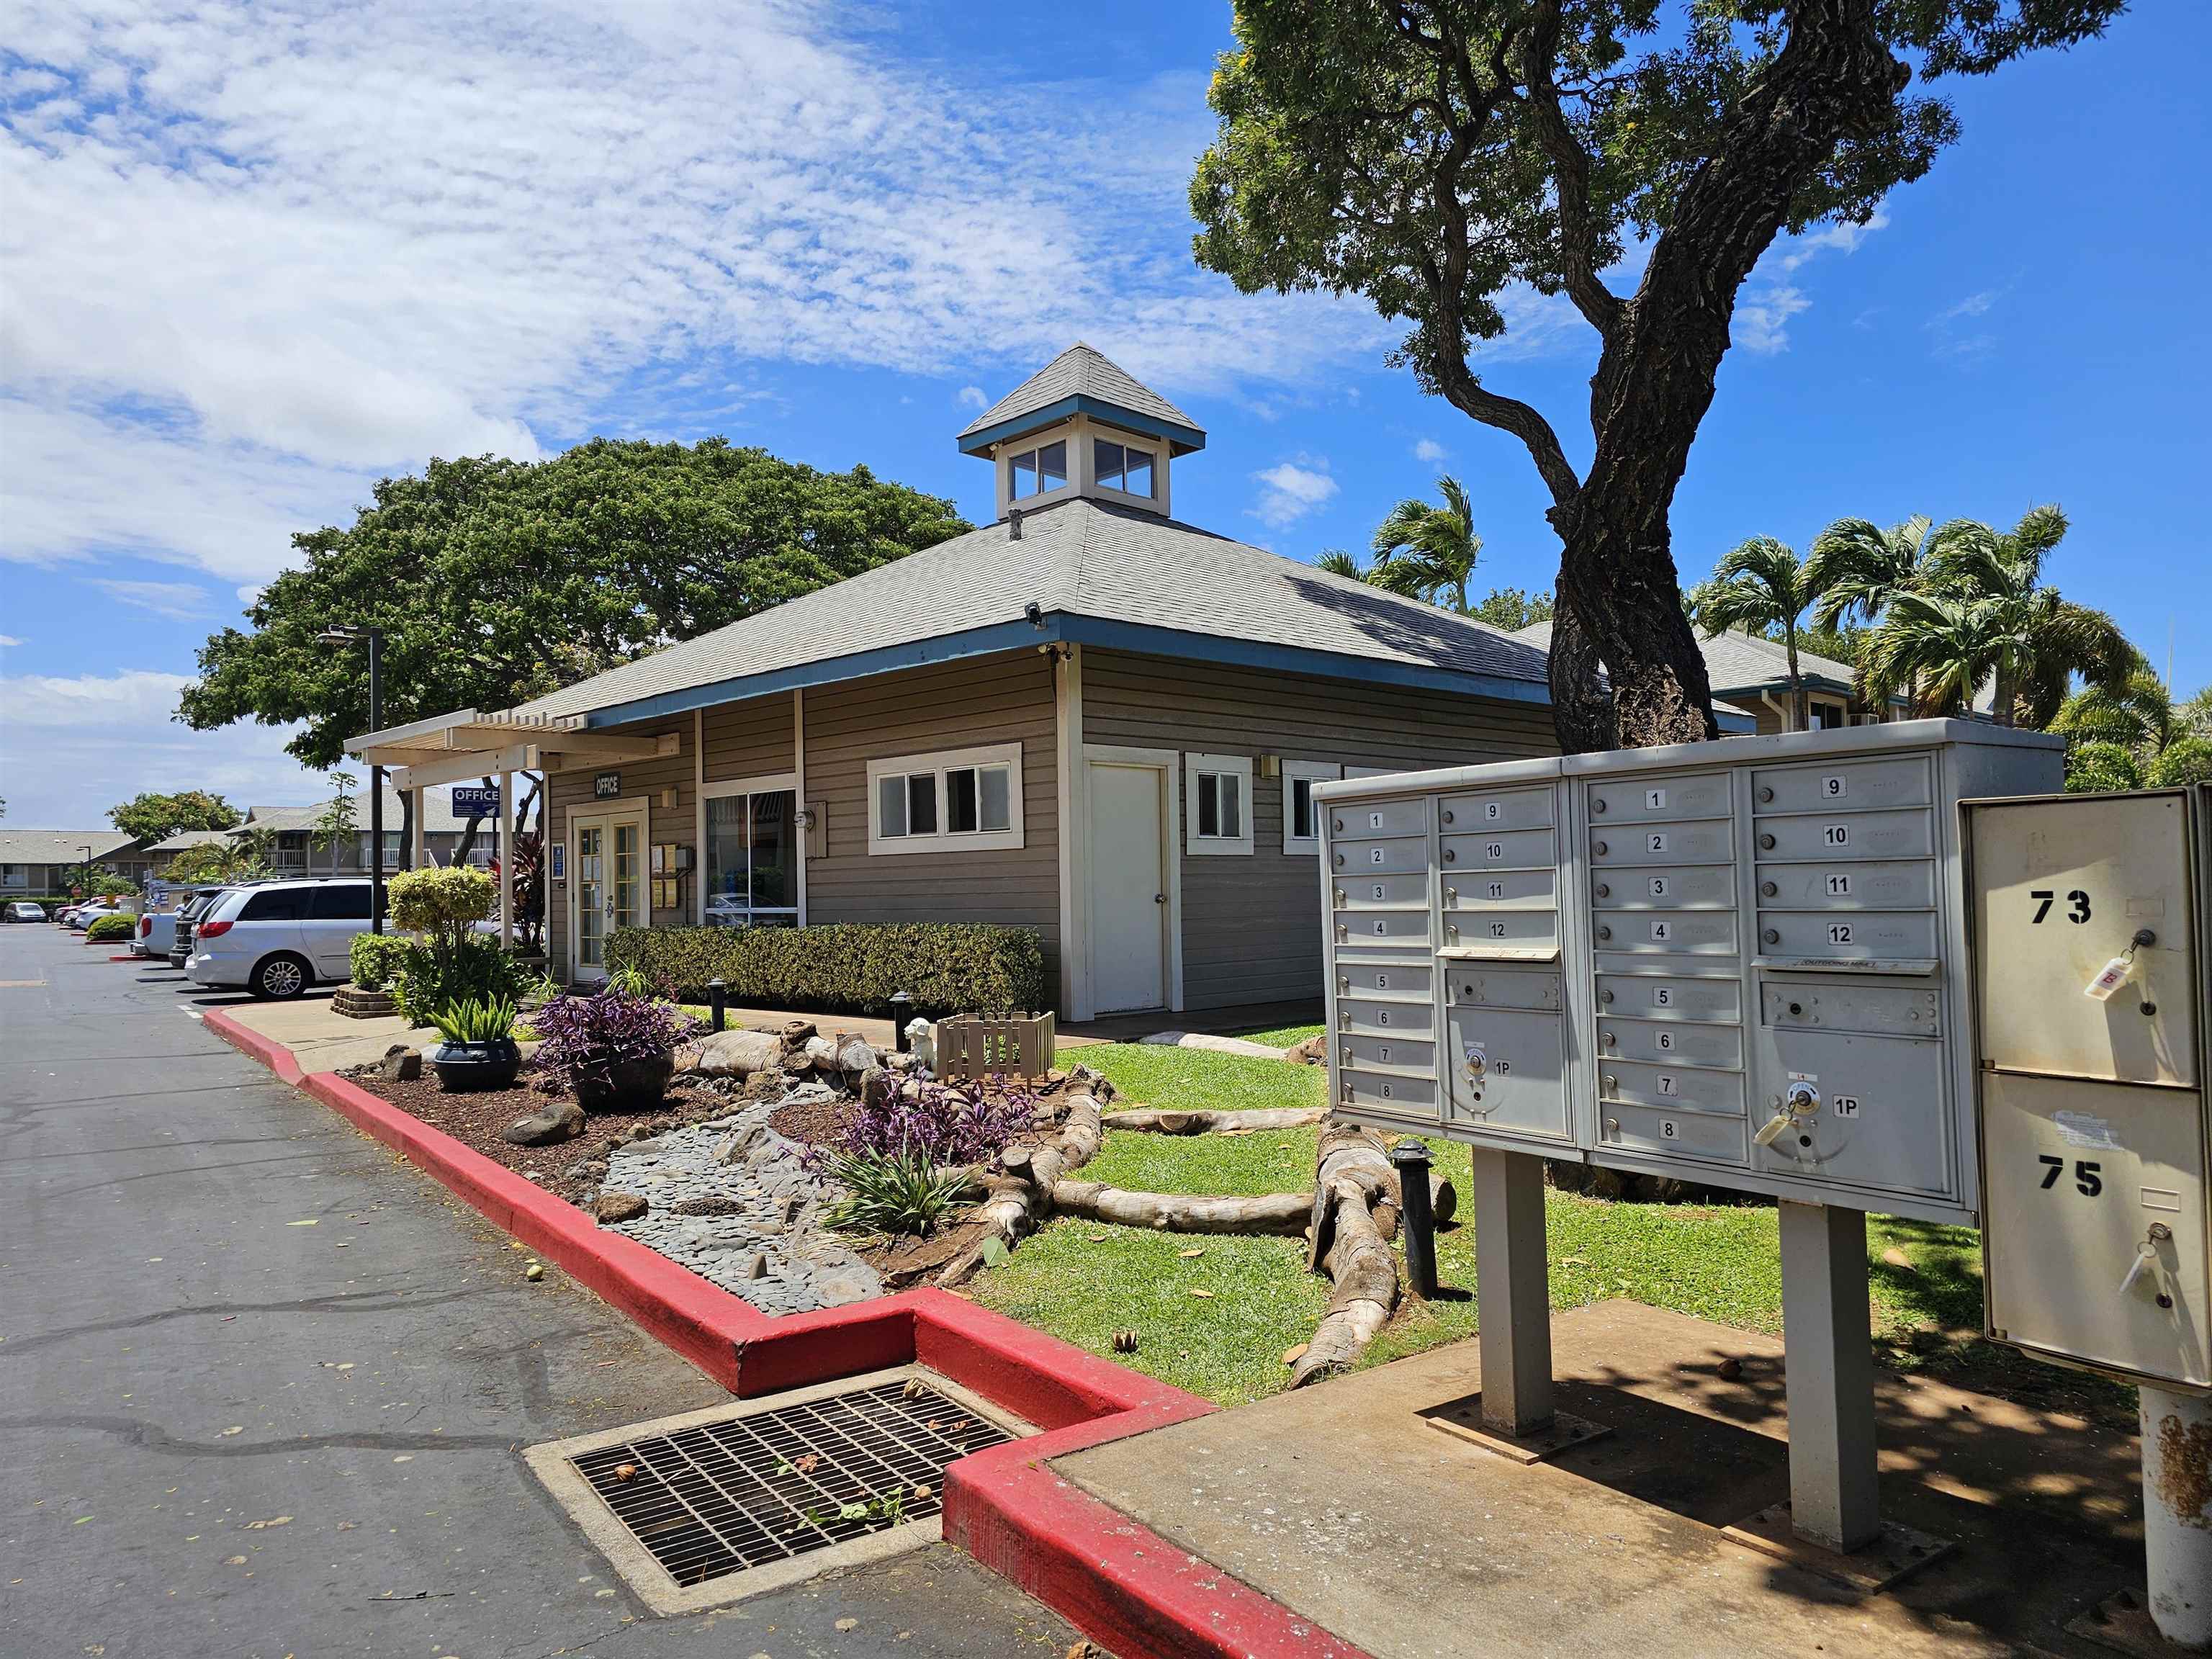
point(878, 1087)
point(820, 1053)
point(614, 1207)
point(739, 1054)
point(562, 1120)
point(400, 1064)
point(855, 1056)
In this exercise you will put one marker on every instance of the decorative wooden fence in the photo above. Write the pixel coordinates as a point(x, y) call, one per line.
point(1005, 1045)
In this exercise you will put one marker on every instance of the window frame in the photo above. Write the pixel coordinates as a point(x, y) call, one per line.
point(934, 765)
point(1128, 444)
point(1196, 766)
point(1033, 451)
point(1312, 771)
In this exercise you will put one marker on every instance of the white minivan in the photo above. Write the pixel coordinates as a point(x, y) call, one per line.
point(276, 938)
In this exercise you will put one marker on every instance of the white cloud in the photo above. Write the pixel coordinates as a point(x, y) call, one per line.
point(1956, 343)
point(974, 397)
point(8, 640)
point(1974, 304)
point(179, 601)
point(1429, 452)
point(71, 747)
point(1767, 302)
point(1290, 489)
point(258, 254)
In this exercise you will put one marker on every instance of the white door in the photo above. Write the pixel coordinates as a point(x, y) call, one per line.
point(1128, 888)
point(607, 889)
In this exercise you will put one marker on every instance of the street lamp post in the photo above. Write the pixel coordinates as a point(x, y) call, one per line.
point(374, 636)
point(87, 851)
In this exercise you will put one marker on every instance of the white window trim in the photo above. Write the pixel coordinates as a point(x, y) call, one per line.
point(1009, 839)
point(1035, 443)
point(1312, 771)
point(1157, 453)
point(1197, 845)
point(767, 783)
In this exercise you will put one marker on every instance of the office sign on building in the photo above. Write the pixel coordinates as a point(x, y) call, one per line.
point(475, 800)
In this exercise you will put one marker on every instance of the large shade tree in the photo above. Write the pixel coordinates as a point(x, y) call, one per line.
point(1433, 154)
point(150, 815)
point(494, 581)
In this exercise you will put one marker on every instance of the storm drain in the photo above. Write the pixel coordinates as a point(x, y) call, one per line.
point(715, 1495)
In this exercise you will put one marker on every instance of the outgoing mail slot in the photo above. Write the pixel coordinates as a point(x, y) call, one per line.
point(1503, 988)
point(1388, 1095)
point(1686, 886)
point(1386, 1053)
point(1676, 1088)
point(1834, 836)
point(1507, 809)
point(1378, 858)
point(1864, 935)
point(1669, 996)
point(1859, 784)
point(1509, 850)
point(1390, 981)
point(1502, 928)
point(1635, 799)
point(1355, 891)
point(1815, 1003)
point(1710, 842)
point(1685, 1134)
point(1667, 932)
point(1383, 926)
point(1670, 1042)
point(1408, 1019)
point(1520, 890)
point(1380, 818)
point(1907, 885)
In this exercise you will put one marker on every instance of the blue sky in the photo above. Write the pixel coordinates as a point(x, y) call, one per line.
point(252, 267)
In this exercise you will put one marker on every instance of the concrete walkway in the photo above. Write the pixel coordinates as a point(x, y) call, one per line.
point(1340, 1502)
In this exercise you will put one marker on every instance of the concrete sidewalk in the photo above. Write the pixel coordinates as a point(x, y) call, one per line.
point(1341, 1503)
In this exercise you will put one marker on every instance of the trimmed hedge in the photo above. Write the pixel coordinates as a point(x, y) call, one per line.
point(115, 926)
point(376, 957)
point(852, 968)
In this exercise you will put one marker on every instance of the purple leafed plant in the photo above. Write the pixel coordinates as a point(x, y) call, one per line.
point(587, 1036)
point(940, 1124)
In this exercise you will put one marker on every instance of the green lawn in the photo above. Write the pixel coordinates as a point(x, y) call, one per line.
point(1083, 1281)
point(1279, 1036)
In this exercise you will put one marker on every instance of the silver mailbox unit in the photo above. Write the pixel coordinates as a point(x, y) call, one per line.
point(1741, 964)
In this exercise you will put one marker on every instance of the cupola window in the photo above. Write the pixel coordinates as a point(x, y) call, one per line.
point(1122, 467)
point(1034, 471)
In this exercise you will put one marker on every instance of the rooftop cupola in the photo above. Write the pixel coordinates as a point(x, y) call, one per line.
point(1082, 426)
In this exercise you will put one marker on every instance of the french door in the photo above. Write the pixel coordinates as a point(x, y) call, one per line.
point(608, 892)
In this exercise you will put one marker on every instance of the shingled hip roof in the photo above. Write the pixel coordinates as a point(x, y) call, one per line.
point(1742, 662)
point(1110, 575)
point(1081, 378)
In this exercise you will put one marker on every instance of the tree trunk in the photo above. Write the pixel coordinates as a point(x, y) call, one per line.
point(1179, 1213)
point(1023, 1194)
point(1797, 698)
point(1205, 1123)
point(1582, 707)
point(1352, 1176)
point(406, 860)
point(469, 832)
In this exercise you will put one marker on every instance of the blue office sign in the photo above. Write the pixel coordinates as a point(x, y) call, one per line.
point(475, 801)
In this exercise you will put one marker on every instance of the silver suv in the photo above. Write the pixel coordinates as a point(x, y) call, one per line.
point(276, 938)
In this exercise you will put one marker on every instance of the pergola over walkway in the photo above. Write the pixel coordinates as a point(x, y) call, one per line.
point(449, 748)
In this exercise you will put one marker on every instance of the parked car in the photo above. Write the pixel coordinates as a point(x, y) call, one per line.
point(277, 938)
point(24, 910)
point(181, 946)
point(83, 915)
point(157, 930)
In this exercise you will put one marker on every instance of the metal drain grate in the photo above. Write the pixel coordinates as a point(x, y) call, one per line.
point(722, 1496)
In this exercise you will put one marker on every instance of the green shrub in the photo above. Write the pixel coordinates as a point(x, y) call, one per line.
point(376, 957)
point(2184, 761)
point(2093, 768)
point(892, 1194)
point(474, 1020)
point(845, 968)
point(107, 928)
point(425, 981)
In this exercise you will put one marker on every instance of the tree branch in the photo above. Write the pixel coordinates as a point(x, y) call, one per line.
point(1578, 238)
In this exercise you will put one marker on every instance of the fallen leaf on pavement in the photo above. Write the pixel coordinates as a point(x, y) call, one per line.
point(273, 1521)
point(309, 1223)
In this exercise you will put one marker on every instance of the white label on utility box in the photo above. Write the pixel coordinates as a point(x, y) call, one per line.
point(2086, 1129)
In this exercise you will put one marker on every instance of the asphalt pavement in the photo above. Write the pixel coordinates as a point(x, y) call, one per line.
point(263, 1388)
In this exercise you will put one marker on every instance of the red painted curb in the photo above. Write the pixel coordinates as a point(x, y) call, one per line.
point(126, 958)
point(1122, 1585)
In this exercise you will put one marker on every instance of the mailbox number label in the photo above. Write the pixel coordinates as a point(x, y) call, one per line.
point(1847, 1105)
point(1662, 931)
point(1496, 889)
point(1381, 981)
point(2077, 904)
point(1662, 997)
point(1381, 1016)
point(1664, 1040)
point(1655, 841)
point(1667, 1085)
point(1382, 1053)
point(1374, 820)
point(1382, 928)
point(1833, 788)
point(1836, 835)
point(1667, 1127)
point(1839, 932)
point(1384, 1090)
point(1493, 849)
point(1491, 812)
point(1497, 930)
point(1375, 855)
point(1658, 887)
point(2088, 1180)
point(1839, 884)
point(1655, 800)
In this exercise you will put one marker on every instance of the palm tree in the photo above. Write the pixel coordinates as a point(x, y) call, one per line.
point(1757, 586)
point(2139, 711)
point(1426, 552)
point(1857, 569)
point(2196, 714)
point(1338, 562)
point(2049, 640)
point(1947, 646)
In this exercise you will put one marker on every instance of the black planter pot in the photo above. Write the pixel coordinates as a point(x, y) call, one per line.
point(626, 1084)
point(466, 1067)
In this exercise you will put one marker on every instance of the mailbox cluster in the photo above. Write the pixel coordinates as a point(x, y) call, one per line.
point(1739, 962)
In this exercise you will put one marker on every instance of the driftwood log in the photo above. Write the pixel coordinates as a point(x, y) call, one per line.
point(1351, 1177)
point(1207, 1122)
point(1023, 1193)
point(1179, 1213)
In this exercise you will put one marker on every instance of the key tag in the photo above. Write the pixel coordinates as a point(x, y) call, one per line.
point(2115, 973)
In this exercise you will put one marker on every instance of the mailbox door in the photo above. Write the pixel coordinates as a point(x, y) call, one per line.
point(1519, 1089)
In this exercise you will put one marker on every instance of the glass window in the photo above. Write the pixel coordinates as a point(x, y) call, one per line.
point(727, 861)
point(775, 852)
point(1209, 803)
point(998, 797)
point(1106, 462)
point(752, 858)
point(890, 806)
point(1138, 477)
point(1302, 818)
point(1052, 467)
point(960, 800)
point(1036, 470)
point(1023, 481)
point(1220, 806)
point(276, 904)
point(340, 902)
point(922, 803)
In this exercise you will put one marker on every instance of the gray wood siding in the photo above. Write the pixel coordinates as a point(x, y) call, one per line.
point(959, 705)
point(569, 791)
point(1251, 926)
point(749, 739)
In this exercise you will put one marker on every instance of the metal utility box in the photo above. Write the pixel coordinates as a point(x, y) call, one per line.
point(2091, 930)
point(1739, 962)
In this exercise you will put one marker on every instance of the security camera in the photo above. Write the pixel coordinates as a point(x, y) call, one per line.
point(1035, 612)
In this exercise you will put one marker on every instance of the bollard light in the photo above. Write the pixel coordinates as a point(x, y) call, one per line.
point(901, 1007)
point(718, 1003)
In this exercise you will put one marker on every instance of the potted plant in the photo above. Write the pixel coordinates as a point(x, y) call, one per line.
point(617, 1048)
point(479, 1050)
